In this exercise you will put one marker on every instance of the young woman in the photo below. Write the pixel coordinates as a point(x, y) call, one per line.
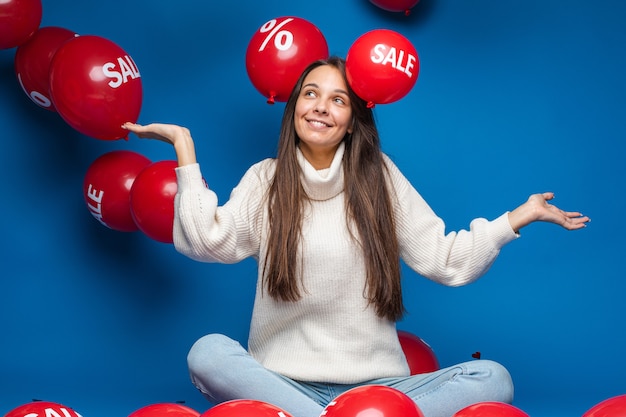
point(328, 220)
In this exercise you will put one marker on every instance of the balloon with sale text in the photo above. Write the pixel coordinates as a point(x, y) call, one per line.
point(42, 409)
point(107, 185)
point(278, 53)
point(33, 59)
point(382, 66)
point(19, 20)
point(96, 87)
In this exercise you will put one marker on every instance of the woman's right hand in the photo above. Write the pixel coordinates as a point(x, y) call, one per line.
point(176, 135)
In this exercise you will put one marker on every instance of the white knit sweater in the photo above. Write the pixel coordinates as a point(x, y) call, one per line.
point(331, 334)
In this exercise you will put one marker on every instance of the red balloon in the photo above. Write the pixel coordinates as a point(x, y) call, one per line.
point(382, 66)
point(612, 407)
point(419, 354)
point(32, 63)
point(107, 185)
point(19, 19)
point(247, 408)
point(490, 409)
point(372, 401)
point(404, 6)
point(152, 200)
point(278, 53)
point(42, 409)
point(95, 87)
point(166, 410)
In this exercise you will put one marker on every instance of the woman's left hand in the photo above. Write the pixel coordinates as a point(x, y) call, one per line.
point(538, 208)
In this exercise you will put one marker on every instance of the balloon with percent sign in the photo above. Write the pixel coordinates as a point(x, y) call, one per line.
point(382, 66)
point(404, 6)
point(278, 53)
point(32, 63)
point(19, 20)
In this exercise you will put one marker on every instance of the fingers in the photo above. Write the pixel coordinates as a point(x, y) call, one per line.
point(133, 127)
point(575, 221)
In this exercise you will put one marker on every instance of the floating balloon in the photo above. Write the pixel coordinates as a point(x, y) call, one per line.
point(33, 59)
point(404, 6)
point(247, 408)
point(19, 20)
point(107, 185)
point(419, 354)
point(372, 400)
point(165, 410)
point(612, 407)
point(490, 409)
point(152, 200)
point(278, 53)
point(382, 66)
point(95, 87)
point(42, 409)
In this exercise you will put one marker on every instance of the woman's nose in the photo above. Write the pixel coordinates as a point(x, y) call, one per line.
point(320, 107)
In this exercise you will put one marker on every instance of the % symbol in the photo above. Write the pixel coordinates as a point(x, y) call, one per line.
point(283, 39)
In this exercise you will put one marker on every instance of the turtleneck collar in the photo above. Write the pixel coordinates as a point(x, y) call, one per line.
point(322, 184)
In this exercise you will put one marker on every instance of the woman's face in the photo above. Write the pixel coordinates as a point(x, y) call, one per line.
point(323, 115)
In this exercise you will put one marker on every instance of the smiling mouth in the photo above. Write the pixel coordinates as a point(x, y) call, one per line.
point(317, 123)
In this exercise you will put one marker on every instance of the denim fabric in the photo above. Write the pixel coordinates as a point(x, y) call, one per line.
point(223, 370)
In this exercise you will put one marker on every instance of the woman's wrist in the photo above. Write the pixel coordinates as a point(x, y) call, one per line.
point(521, 216)
point(185, 150)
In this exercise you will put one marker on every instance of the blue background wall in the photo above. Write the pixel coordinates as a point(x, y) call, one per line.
point(513, 97)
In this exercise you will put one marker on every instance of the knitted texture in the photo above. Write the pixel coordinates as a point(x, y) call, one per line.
point(331, 334)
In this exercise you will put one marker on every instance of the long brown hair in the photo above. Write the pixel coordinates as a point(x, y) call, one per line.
point(368, 205)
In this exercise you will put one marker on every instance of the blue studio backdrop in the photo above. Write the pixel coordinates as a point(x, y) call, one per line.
point(513, 97)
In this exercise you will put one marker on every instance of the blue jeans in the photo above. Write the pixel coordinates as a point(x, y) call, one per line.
point(223, 370)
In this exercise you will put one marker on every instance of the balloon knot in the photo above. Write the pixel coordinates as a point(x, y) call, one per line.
point(370, 105)
point(407, 12)
point(271, 100)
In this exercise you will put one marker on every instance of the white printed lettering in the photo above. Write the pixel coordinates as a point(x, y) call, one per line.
point(127, 70)
point(402, 61)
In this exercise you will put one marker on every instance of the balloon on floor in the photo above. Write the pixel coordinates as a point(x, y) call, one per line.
point(245, 408)
point(372, 400)
point(165, 410)
point(490, 409)
point(42, 409)
point(419, 354)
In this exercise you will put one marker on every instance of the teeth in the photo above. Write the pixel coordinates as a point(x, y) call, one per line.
point(316, 123)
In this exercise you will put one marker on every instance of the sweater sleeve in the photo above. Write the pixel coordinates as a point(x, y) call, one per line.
point(455, 258)
point(207, 232)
